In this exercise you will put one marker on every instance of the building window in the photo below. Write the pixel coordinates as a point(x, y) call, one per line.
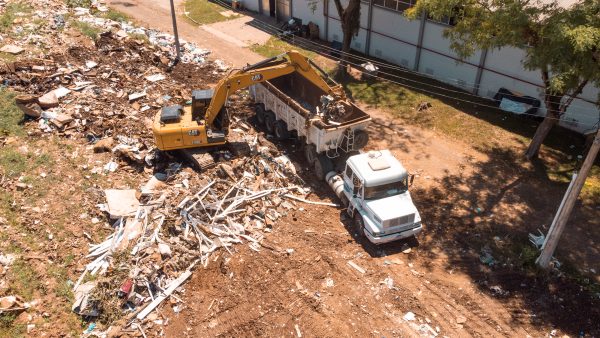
point(395, 5)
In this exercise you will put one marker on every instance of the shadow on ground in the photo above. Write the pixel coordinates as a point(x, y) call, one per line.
point(481, 223)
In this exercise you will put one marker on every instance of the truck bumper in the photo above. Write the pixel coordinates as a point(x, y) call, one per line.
point(393, 237)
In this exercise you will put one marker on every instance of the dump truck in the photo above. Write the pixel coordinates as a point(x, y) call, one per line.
point(299, 99)
point(373, 187)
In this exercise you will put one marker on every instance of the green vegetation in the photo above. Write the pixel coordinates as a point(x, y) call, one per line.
point(12, 162)
point(87, 29)
point(590, 193)
point(8, 328)
point(116, 15)
point(78, 3)
point(203, 12)
point(10, 114)
point(274, 46)
point(11, 13)
point(23, 280)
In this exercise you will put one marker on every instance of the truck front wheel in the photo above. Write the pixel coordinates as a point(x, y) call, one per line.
point(323, 165)
point(359, 225)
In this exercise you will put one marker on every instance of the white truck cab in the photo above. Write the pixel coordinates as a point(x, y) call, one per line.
point(374, 187)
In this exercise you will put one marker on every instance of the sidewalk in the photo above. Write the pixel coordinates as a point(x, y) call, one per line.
point(224, 46)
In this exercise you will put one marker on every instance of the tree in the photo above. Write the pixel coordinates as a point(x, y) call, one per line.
point(350, 19)
point(561, 43)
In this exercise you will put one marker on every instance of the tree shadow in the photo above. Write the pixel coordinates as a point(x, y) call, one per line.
point(481, 222)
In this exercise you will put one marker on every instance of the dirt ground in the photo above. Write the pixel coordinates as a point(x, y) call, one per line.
point(471, 199)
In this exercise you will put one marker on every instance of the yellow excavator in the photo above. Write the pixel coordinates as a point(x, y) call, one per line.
point(205, 123)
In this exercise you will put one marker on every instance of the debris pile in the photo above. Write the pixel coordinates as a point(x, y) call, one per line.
point(160, 238)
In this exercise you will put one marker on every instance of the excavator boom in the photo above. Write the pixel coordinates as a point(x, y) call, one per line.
point(202, 124)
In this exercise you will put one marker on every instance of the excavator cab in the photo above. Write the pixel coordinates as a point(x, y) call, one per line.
point(200, 102)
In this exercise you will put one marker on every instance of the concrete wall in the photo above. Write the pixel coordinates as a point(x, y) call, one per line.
point(251, 5)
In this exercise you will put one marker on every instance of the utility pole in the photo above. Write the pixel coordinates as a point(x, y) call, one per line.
point(564, 211)
point(178, 49)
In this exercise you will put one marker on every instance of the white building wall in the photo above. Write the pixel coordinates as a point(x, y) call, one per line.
point(394, 38)
point(440, 61)
point(392, 51)
point(394, 25)
point(251, 5)
point(302, 10)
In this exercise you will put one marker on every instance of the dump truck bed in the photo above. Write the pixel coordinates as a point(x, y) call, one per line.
point(294, 100)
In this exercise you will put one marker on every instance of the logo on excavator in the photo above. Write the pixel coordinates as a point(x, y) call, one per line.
point(257, 77)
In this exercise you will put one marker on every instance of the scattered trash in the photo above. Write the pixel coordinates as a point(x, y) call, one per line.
point(538, 241)
point(121, 203)
point(155, 77)
point(409, 316)
point(355, 266)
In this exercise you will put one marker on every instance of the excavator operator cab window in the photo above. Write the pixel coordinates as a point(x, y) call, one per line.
point(200, 102)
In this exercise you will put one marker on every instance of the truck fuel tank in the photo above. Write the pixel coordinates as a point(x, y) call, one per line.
point(336, 183)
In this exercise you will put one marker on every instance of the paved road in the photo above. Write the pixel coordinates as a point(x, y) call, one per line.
point(157, 14)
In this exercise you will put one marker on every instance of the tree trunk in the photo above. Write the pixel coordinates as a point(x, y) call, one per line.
point(345, 50)
point(540, 135)
point(554, 110)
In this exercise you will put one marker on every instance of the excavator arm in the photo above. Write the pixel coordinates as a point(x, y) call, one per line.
point(260, 72)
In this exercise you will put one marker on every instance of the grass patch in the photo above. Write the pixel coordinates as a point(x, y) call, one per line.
point(8, 327)
point(78, 3)
point(275, 46)
point(590, 193)
point(23, 280)
point(12, 163)
point(116, 16)
point(203, 12)
point(11, 12)
point(87, 29)
point(10, 115)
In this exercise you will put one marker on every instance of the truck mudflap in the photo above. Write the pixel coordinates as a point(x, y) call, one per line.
point(370, 228)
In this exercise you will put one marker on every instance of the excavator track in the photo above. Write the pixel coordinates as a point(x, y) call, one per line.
point(201, 159)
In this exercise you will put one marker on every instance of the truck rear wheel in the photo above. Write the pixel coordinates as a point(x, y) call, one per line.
point(260, 113)
point(359, 225)
point(323, 165)
point(281, 132)
point(310, 153)
point(270, 121)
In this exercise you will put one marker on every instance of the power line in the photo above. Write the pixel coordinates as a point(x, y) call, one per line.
point(381, 64)
point(392, 75)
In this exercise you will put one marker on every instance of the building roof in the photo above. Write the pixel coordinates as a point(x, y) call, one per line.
point(377, 167)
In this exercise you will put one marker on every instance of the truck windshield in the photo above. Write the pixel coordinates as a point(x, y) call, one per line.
point(385, 190)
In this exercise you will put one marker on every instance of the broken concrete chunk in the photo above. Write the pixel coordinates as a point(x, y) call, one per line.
point(121, 203)
point(24, 98)
point(104, 145)
point(136, 96)
point(155, 77)
point(12, 49)
point(32, 110)
point(48, 100)
point(61, 92)
point(152, 186)
point(164, 249)
point(90, 64)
